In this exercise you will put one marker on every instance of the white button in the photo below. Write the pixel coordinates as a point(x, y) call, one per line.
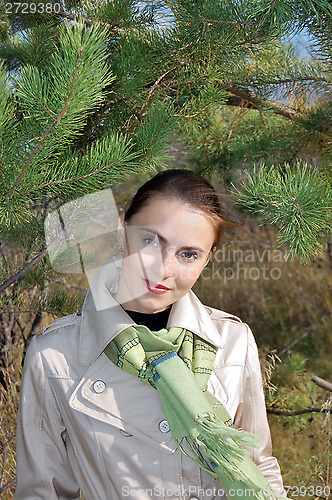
point(193, 498)
point(125, 434)
point(99, 386)
point(163, 426)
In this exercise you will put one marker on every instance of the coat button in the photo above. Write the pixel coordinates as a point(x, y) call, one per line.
point(163, 426)
point(125, 434)
point(193, 498)
point(99, 386)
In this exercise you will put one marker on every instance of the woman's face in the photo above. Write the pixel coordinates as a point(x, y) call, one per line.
point(166, 245)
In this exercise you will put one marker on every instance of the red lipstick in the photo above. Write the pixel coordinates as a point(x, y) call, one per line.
point(155, 288)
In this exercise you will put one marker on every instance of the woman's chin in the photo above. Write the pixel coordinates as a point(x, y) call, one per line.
point(148, 304)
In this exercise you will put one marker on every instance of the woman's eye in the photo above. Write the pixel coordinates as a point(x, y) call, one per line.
point(150, 242)
point(189, 255)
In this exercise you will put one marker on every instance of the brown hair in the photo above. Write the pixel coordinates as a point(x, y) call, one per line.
point(184, 186)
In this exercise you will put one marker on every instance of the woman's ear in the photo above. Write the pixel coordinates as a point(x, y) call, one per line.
point(121, 231)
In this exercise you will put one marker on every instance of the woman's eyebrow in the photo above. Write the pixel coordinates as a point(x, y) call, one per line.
point(164, 240)
point(155, 233)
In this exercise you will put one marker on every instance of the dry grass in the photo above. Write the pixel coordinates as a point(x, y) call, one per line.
point(304, 455)
point(8, 412)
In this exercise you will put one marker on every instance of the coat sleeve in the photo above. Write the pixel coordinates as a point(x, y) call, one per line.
point(252, 417)
point(43, 468)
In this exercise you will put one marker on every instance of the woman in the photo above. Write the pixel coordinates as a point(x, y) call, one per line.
point(86, 420)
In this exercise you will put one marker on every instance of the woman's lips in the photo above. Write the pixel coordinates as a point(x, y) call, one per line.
point(153, 287)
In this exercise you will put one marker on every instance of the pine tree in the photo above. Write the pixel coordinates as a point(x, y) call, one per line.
point(240, 95)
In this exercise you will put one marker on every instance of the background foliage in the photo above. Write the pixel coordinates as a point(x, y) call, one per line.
point(101, 90)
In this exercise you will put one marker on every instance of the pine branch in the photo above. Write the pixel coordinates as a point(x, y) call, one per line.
point(84, 53)
point(321, 383)
point(79, 18)
point(63, 111)
point(7, 485)
point(110, 153)
point(95, 119)
point(3, 454)
point(256, 101)
point(298, 201)
point(304, 334)
point(298, 412)
point(151, 89)
point(228, 21)
point(281, 81)
point(68, 285)
point(53, 124)
point(242, 96)
point(23, 271)
point(31, 157)
point(73, 179)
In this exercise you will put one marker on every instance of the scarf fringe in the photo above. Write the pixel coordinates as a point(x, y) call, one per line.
point(212, 425)
point(225, 448)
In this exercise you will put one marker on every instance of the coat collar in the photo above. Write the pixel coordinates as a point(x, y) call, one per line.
point(103, 317)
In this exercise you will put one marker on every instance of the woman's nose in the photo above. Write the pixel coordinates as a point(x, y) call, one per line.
point(169, 264)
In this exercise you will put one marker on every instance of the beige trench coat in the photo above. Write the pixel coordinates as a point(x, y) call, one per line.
point(86, 424)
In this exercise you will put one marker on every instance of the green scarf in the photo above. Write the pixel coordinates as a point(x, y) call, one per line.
point(196, 418)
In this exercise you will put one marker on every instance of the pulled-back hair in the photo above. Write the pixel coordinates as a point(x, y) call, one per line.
point(184, 186)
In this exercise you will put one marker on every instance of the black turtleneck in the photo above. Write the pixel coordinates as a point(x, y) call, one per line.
point(154, 321)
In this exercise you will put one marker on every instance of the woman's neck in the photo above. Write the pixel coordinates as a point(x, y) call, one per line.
point(154, 321)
